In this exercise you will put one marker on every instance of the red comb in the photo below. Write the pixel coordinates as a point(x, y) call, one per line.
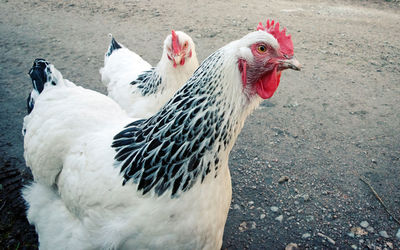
point(285, 41)
point(175, 43)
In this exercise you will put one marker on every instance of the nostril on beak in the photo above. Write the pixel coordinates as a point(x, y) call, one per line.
point(296, 65)
point(292, 63)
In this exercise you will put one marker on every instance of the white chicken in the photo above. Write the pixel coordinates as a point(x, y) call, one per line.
point(104, 181)
point(140, 89)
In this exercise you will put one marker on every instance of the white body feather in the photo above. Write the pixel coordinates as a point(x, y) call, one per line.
point(124, 66)
point(78, 201)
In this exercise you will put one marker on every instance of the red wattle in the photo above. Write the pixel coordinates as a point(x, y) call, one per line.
point(267, 85)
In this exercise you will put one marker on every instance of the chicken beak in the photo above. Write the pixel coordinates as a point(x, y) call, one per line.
point(177, 58)
point(291, 63)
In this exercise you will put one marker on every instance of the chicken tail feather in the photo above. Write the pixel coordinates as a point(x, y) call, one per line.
point(114, 45)
point(40, 73)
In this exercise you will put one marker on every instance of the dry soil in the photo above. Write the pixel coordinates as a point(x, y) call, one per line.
point(297, 164)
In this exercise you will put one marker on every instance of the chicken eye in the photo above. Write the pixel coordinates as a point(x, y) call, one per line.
point(185, 45)
point(261, 48)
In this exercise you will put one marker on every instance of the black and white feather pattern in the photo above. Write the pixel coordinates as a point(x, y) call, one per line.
point(178, 156)
point(148, 82)
point(114, 45)
point(40, 73)
point(181, 143)
point(140, 89)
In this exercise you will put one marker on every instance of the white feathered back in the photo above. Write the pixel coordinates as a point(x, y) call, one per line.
point(122, 67)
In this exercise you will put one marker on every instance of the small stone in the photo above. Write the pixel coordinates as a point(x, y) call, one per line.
point(279, 218)
point(329, 239)
point(198, 36)
point(296, 202)
point(253, 225)
point(398, 234)
point(373, 160)
point(306, 197)
point(243, 226)
point(384, 234)
point(351, 234)
point(309, 218)
point(389, 244)
point(370, 229)
point(236, 206)
point(306, 236)
point(364, 224)
point(283, 179)
point(354, 247)
point(292, 246)
point(251, 202)
point(358, 231)
point(262, 216)
point(274, 209)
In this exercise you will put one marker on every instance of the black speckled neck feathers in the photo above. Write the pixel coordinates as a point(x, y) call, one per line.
point(182, 143)
point(148, 82)
point(114, 45)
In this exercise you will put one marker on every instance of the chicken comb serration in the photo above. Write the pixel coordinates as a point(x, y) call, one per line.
point(285, 41)
point(175, 42)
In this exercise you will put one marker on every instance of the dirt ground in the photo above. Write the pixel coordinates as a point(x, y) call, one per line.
point(297, 164)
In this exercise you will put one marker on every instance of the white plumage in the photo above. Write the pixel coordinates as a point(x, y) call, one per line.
point(140, 89)
point(103, 180)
